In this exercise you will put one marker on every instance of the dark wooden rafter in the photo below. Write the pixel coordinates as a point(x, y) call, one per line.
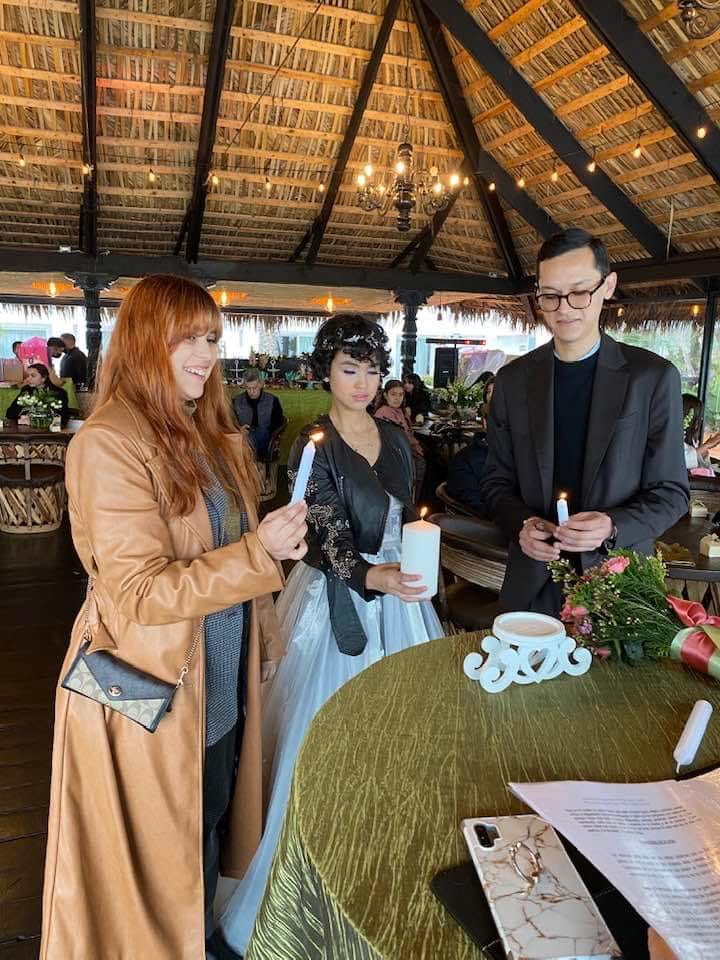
point(620, 33)
point(316, 232)
point(88, 75)
point(219, 44)
point(470, 35)
point(440, 58)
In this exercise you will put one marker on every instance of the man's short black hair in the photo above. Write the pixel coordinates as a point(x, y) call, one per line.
point(16, 343)
point(55, 342)
point(574, 238)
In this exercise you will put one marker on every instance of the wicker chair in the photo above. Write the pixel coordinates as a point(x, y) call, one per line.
point(474, 553)
point(32, 504)
point(268, 466)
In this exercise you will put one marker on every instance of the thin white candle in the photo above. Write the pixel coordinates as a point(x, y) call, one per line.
point(421, 554)
point(305, 468)
point(562, 509)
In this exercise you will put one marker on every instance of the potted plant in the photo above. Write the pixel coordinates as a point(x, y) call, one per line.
point(41, 407)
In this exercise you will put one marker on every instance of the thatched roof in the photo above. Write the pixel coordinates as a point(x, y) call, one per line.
point(152, 60)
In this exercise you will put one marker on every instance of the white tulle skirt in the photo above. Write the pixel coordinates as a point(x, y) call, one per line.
point(310, 673)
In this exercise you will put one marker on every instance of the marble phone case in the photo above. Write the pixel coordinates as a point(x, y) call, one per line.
point(558, 919)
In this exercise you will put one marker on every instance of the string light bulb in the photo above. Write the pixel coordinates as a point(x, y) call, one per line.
point(437, 187)
point(215, 180)
point(702, 132)
point(52, 288)
point(466, 181)
point(86, 169)
point(637, 152)
point(491, 186)
point(521, 181)
point(268, 185)
point(362, 179)
point(554, 176)
point(321, 187)
point(621, 311)
point(330, 303)
point(592, 166)
point(151, 176)
point(696, 310)
point(400, 167)
point(368, 170)
point(454, 180)
point(224, 298)
point(21, 161)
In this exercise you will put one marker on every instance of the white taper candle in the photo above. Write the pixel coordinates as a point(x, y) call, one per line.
point(562, 509)
point(305, 468)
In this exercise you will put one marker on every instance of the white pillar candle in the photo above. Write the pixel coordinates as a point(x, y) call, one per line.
point(562, 509)
point(421, 554)
point(305, 468)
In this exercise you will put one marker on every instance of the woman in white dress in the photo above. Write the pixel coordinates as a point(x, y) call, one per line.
point(347, 605)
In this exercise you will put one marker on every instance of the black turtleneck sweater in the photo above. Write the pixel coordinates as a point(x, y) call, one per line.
point(573, 398)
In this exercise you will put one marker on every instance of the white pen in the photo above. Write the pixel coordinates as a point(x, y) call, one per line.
point(692, 735)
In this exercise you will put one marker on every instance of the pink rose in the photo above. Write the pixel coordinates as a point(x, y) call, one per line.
point(566, 613)
point(615, 564)
point(579, 612)
point(602, 652)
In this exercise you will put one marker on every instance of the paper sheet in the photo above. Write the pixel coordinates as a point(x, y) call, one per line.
point(658, 843)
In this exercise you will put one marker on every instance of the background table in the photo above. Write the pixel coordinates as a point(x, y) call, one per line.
point(406, 750)
point(8, 394)
point(28, 446)
point(701, 581)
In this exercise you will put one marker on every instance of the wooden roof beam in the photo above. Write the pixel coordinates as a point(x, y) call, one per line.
point(88, 91)
point(315, 234)
point(621, 34)
point(473, 38)
point(219, 46)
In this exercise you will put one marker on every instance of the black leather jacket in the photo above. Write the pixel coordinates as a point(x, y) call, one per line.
point(347, 509)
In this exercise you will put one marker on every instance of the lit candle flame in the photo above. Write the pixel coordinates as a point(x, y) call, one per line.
point(562, 496)
point(423, 513)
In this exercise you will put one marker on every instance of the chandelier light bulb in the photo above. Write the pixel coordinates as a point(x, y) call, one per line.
point(637, 152)
point(268, 185)
point(555, 176)
point(21, 161)
point(434, 171)
point(521, 181)
point(400, 167)
point(454, 180)
point(466, 181)
point(437, 187)
point(368, 171)
point(362, 180)
point(381, 188)
point(702, 133)
point(491, 186)
point(151, 176)
point(52, 288)
point(321, 187)
point(86, 169)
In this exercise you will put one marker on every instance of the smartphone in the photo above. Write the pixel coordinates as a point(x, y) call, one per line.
point(541, 907)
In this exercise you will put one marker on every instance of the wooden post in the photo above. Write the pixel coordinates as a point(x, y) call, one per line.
point(92, 284)
point(411, 301)
point(706, 351)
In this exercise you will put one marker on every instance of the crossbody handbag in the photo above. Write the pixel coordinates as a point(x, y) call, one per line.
point(137, 695)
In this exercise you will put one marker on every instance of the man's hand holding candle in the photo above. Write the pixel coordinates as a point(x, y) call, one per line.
point(536, 540)
point(584, 532)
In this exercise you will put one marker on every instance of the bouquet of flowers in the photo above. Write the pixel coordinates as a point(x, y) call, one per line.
point(622, 607)
point(41, 406)
point(459, 395)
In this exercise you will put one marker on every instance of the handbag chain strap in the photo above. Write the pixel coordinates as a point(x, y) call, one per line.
point(191, 652)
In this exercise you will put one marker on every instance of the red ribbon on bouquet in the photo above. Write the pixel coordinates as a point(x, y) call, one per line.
point(699, 644)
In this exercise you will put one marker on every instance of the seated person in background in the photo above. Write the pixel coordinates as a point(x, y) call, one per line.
point(418, 399)
point(487, 397)
point(697, 455)
point(259, 412)
point(38, 378)
point(73, 365)
point(465, 470)
point(391, 408)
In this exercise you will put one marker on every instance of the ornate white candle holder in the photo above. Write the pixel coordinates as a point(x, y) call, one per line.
point(525, 648)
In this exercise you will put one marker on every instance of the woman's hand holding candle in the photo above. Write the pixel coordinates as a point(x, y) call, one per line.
point(283, 532)
point(387, 578)
point(421, 553)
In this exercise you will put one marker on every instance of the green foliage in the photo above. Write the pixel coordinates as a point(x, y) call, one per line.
point(457, 394)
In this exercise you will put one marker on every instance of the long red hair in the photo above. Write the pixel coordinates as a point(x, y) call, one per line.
point(157, 314)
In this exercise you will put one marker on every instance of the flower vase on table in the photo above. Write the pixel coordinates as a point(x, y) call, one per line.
point(41, 407)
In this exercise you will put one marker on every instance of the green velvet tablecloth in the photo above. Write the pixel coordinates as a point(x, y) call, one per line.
point(405, 751)
point(300, 407)
point(8, 394)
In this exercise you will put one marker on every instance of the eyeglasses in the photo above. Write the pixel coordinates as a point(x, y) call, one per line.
point(576, 299)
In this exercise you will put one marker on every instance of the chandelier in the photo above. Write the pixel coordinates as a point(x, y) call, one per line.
point(695, 16)
point(410, 189)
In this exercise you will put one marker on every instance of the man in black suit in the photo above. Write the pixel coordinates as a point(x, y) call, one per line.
point(74, 362)
point(585, 416)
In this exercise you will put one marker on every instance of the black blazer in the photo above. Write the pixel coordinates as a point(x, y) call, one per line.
point(347, 510)
point(634, 467)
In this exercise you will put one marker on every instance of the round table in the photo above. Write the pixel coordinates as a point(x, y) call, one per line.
point(701, 580)
point(406, 750)
point(28, 446)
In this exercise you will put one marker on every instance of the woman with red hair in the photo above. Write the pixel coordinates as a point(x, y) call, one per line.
point(162, 498)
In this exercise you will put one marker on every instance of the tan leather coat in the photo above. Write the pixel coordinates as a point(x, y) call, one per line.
point(123, 876)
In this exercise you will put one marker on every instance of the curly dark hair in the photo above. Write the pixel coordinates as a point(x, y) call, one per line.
point(350, 333)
